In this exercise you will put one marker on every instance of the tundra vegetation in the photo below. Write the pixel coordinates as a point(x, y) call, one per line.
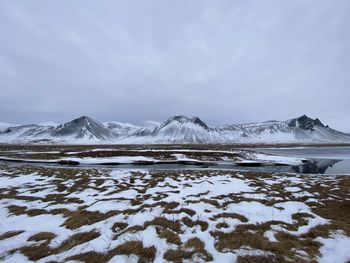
point(55, 214)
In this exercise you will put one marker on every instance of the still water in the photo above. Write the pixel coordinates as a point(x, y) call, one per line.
point(317, 160)
point(320, 160)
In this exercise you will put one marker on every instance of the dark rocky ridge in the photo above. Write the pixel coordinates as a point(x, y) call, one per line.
point(306, 123)
point(184, 119)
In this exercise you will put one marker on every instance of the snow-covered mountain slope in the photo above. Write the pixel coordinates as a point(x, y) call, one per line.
point(25, 133)
point(301, 129)
point(80, 130)
point(4, 125)
point(120, 129)
point(83, 128)
point(181, 129)
point(177, 129)
point(49, 123)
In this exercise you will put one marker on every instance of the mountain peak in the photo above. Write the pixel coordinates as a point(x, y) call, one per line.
point(81, 127)
point(305, 122)
point(82, 119)
point(185, 119)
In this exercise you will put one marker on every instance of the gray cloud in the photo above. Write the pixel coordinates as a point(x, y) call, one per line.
point(225, 61)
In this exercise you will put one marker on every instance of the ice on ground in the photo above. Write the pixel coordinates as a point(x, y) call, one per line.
point(277, 159)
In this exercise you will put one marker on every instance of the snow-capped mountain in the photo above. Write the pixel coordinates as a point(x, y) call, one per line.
point(83, 128)
point(80, 130)
point(120, 129)
point(301, 129)
point(177, 129)
point(4, 125)
point(180, 129)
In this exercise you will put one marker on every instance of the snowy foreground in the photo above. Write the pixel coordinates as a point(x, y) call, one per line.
point(117, 215)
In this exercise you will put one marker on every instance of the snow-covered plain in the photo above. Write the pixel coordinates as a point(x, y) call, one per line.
point(165, 212)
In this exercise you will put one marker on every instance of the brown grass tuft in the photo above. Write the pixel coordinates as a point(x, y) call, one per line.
point(76, 240)
point(177, 256)
point(47, 236)
point(195, 243)
point(260, 259)
point(231, 215)
point(222, 225)
point(118, 226)
point(36, 252)
point(136, 247)
point(82, 217)
point(10, 234)
point(165, 223)
point(190, 223)
point(193, 247)
point(17, 210)
point(91, 257)
point(169, 236)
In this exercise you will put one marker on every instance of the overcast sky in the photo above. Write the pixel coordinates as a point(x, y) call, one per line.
point(224, 61)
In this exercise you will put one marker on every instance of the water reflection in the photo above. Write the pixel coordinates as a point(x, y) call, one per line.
point(314, 166)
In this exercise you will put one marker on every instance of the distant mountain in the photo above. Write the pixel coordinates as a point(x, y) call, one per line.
point(80, 130)
point(83, 128)
point(177, 129)
point(4, 125)
point(120, 129)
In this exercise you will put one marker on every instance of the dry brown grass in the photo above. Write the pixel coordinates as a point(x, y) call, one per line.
point(165, 223)
point(194, 243)
point(83, 217)
point(17, 210)
point(319, 231)
point(222, 225)
point(337, 211)
point(128, 248)
point(54, 199)
point(91, 257)
point(147, 254)
point(230, 215)
point(193, 247)
point(36, 212)
point(261, 259)
point(42, 236)
point(252, 236)
point(76, 240)
point(170, 236)
point(10, 234)
point(118, 226)
point(36, 252)
point(205, 200)
point(22, 210)
point(302, 218)
point(190, 223)
point(58, 211)
point(187, 211)
point(171, 206)
point(178, 255)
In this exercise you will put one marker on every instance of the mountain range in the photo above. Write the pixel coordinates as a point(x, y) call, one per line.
point(177, 129)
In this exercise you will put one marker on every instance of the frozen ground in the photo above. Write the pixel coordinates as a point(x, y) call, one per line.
point(100, 215)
